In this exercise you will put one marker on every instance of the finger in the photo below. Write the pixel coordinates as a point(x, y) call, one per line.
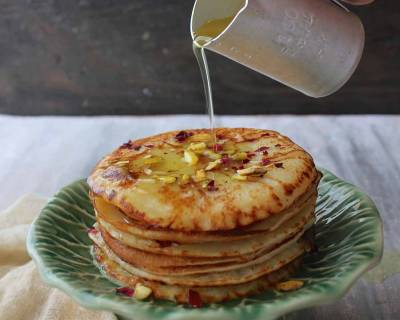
point(358, 2)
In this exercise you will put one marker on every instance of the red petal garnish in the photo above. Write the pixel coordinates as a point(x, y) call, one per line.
point(220, 136)
point(183, 135)
point(265, 134)
point(127, 145)
point(234, 168)
point(195, 299)
point(211, 186)
point(240, 168)
point(164, 244)
point(225, 160)
point(278, 145)
point(217, 147)
point(125, 291)
point(130, 145)
point(279, 165)
point(250, 154)
point(262, 149)
point(265, 162)
point(246, 161)
point(92, 230)
point(149, 145)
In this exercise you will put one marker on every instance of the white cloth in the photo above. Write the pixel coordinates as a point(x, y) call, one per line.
point(23, 295)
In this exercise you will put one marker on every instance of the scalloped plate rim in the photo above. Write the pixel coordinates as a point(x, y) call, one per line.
point(94, 302)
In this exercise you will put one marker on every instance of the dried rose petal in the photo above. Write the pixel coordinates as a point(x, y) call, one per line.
point(278, 145)
point(149, 145)
point(125, 291)
point(92, 231)
point(262, 149)
point(211, 186)
point(265, 134)
point(240, 167)
point(130, 145)
point(225, 160)
point(183, 135)
point(279, 165)
point(220, 136)
point(217, 147)
point(246, 161)
point(265, 161)
point(127, 145)
point(195, 299)
point(164, 244)
point(250, 154)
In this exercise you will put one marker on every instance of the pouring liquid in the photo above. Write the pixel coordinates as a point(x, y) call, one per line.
point(202, 36)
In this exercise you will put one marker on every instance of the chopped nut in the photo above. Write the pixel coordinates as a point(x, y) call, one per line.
point(213, 164)
point(121, 163)
point(151, 160)
point(141, 292)
point(239, 156)
point(160, 173)
point(230, 151)
point(197, 146)
point(212, 155)
point(174, 143)
point(185, 178)
point(239, 177)
point(145, 180)
point(229, 147)
point(201, 137)
point(200, 176)
point(289, 285)
point(250, 170)
point(190, 157)
point(148, 171)
point(167, 179)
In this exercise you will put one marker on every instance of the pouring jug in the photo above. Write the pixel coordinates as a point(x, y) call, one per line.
point(312, 46)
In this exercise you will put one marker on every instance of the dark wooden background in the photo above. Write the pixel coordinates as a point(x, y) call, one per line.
point(84, 57)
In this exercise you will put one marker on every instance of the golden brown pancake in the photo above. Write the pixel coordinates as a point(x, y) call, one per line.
point(224, 215)
point(283, 172)
point(180, 294)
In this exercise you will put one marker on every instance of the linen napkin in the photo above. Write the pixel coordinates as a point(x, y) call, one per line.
point(23, 295)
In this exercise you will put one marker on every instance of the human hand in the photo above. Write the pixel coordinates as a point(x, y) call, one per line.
point(358, 2)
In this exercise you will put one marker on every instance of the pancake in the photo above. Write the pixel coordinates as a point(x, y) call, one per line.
point(241, 275)
point(219, 249)
point(224, 215)
point(179, 294)
point(152, 264)
point(110, 214)
point(123, 178)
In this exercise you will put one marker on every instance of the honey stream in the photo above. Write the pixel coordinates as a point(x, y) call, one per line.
point(203, 36)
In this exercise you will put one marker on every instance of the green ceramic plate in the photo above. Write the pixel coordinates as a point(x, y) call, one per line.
point(348, 234)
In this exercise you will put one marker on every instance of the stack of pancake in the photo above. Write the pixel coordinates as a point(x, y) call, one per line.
point(205, 217)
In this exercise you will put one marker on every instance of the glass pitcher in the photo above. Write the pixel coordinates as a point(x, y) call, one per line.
point(313, 46)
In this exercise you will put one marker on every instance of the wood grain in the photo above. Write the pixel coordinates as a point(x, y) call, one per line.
point(42, 154)
point(88, 57)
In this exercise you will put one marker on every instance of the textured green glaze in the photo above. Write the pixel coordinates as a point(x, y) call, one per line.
point(348, 234)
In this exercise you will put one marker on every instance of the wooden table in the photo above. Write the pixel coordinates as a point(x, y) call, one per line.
point(40, 155)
